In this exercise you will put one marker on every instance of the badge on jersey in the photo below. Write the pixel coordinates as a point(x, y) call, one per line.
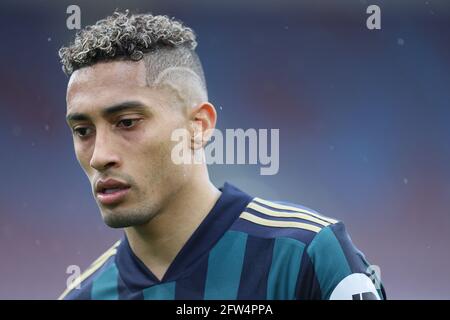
point(356, 286)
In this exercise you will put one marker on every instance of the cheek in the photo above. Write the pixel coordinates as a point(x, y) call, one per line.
point(149, 150)
point(83, 155)
point(155, 154)
point(153, 157)
point(154, 139)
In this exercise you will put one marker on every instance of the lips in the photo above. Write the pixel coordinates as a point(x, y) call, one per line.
point(111, 191)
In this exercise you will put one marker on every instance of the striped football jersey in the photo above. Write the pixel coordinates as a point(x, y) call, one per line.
point(245, 248)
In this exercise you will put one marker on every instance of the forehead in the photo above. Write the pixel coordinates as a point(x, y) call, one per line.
point(105, 80)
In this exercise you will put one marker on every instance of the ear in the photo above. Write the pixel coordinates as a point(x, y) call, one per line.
point(203, 121)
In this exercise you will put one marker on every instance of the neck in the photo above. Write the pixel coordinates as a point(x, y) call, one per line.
point(158, 242)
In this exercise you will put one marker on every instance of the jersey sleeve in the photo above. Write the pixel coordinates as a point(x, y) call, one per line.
point(340, 270)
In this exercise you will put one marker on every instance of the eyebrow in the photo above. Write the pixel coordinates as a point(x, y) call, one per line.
point(109, 111)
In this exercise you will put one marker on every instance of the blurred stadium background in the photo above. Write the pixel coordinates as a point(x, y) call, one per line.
point(363, 118)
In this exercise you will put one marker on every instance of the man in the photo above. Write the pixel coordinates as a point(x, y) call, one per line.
point(134, 80)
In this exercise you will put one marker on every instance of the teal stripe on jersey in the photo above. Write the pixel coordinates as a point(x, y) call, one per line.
point(225, 266)
point(165, 291)
point(104, 287)
point(286, 260)
point(328, 258)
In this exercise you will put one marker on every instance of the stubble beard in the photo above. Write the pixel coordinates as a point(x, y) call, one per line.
point(124, 218)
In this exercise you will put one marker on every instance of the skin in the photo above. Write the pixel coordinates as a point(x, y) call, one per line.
point(166, 201)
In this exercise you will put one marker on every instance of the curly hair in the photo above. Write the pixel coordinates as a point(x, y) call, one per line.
point(166, 46)
point(124, 35)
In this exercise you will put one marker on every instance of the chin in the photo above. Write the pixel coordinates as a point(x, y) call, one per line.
point(124, 220)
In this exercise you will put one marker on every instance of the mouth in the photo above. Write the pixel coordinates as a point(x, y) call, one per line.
point(111, 191)
point(109, 196)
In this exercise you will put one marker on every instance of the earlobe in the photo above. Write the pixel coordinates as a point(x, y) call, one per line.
point(196, 135)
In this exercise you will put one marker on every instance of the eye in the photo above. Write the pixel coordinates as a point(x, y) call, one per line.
point(127, 123)
point(82, 132)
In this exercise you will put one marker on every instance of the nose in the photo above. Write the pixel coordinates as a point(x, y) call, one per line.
point(104, 155)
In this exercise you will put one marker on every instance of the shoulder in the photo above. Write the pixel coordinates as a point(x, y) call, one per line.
point(81, 286)
point(320, 245)
point(277, 219)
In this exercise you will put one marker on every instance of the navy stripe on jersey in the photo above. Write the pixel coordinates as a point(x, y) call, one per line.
point(308, 287)
point(256, 268)
point(192, 287)
point(132, 270)
point(125, 293)
point(352, 254)
point(163, 291)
